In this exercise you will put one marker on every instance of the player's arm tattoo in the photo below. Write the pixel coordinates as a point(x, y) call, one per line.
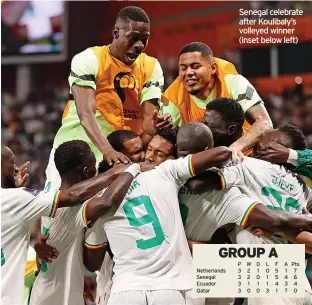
point(260, 121)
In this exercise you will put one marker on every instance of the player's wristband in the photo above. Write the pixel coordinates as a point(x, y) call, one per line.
point(292, 157)
point(134, 169)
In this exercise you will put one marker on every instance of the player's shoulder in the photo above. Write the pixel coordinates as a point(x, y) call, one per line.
point(14, 195)
point(15, 192)
point(145, 61)
point(89, 53)
point(235, 80)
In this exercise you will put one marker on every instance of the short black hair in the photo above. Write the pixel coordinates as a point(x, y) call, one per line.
point(133, 13)
point(71, 155)
point(295, 135)
point(170, 134)
point(230, 110)
point(104, 167)
point(118, 137)
point(197, 47)
point(194, 137)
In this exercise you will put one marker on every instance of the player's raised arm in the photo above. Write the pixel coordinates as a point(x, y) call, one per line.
point(255, 112)
point(150, 102)
point(278, 220)
point(209, 158)
point(110, 199)
point(84, 69)
point(84, 190)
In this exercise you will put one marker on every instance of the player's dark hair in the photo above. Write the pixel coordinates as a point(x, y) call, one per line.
point(72, 155)
point(230, 111)
point(170, 134)
point(194, 137)
point(196, 47)
point(118, 137)
point(295, 135)
point(104, 167)
point(133, 13)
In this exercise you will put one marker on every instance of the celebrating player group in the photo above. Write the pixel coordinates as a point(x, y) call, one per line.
point(136, 176)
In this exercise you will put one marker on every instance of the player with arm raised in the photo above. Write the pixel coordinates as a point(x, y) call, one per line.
point(112, 87)
point(203, 78)
point(146, 234)
point(61, 281)
point(20, 208)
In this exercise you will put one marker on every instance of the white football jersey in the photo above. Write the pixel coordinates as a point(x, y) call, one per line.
point(272, 184)
point(20, 208)
point(146, 234)
point(203, 214)
point(61, 282)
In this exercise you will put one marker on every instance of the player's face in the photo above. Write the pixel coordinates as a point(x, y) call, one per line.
point(159, 150)
point(218, 127)
point(132, 39)
point(134, 150)
point(274, 136)
point(9, 169)
point(196, 72)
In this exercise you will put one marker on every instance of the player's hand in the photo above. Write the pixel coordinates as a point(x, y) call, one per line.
point(261, 232)
point(119, 168)
point(146, 166)
point(237, 155)
point(274, 153)
point(305, 211)
point(162, 121)
point(112, 156)
point(45, 252)
point(22, 179)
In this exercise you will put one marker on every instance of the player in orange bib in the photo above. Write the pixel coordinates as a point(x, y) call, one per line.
point(203, 78)
point(111, 87)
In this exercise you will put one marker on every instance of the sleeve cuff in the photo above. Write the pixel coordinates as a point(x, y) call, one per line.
point(95, 247)
point(244, 221)
point(191, 166)
point(55, 204)
point(293, 157)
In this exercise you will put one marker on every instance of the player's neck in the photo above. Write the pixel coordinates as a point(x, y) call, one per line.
point(203, 95)
point(68, 182)
point(113, 50)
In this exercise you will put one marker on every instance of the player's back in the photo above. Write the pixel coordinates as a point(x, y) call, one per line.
point(274, 185)
point(61, 282)
point(147, 238)
point(204, 213)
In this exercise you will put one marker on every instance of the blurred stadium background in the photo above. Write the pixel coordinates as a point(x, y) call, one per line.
point(38, 40)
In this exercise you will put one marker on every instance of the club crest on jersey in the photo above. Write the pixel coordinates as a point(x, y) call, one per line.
point(31, 191)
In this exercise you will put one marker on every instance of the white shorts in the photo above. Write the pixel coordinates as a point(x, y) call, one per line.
point(147, 297)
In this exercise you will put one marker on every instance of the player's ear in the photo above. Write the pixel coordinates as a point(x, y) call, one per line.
point(232, 129)
point(115, 32)
point(213, 67)
point(85, 173)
